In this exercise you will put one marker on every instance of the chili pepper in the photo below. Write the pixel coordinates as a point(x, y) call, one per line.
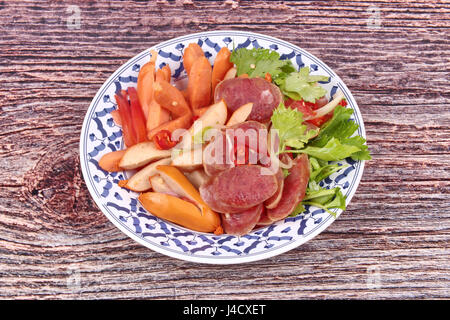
point(163, 140)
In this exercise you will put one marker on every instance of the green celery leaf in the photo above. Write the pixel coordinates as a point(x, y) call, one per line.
point(358, 141)
point(288, 122)
point(300, 208)
point(332, 151)
point(325, 171)
point(257, 62)
point(302, 85)
point(325, 199)
point(341, 128)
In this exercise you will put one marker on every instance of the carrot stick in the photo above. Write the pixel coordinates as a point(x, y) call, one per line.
point(199, 83)
point(128, 134)
point(221, 65)
point(137, 116)
point(110, 161)
point(116, 117)
point(192, 52)
point(170, 98)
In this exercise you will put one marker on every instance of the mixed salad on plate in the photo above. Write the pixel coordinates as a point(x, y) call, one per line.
point(243, 145)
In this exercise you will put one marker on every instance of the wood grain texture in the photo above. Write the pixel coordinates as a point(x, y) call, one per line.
point(392, 242)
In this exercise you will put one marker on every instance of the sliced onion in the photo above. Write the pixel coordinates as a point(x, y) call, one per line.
point(328, 107)
point(287, 165)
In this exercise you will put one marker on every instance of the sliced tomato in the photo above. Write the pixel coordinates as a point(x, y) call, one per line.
point(305, 107)
point(163, 140)
point(321, 120)
point(319, 104)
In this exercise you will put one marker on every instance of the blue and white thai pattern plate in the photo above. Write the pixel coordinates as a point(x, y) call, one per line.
point(100, 135)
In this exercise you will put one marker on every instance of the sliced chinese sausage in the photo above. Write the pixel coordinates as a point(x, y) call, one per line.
point(294, 189)
point(243, 222)
point(238, 188)
point(218, 155)
point(264, 95)
point(264, 220)
point(244, 143)
point(273, 201)
point(252, 133)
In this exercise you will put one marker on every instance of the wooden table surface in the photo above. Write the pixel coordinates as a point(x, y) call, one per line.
point(392, 242)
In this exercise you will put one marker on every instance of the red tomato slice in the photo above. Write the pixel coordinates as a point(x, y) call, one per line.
point(305, 107)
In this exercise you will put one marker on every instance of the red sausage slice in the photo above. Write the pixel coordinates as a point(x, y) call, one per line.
point(264, 220)
point(239, 91)
point(252, 133)
point(249, 137)
point(274, 200)
point(238, 188)
point(218, 155)
point(241, 223)
point(294, 189)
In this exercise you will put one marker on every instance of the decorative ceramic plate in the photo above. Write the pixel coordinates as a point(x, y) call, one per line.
point(100, 135)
